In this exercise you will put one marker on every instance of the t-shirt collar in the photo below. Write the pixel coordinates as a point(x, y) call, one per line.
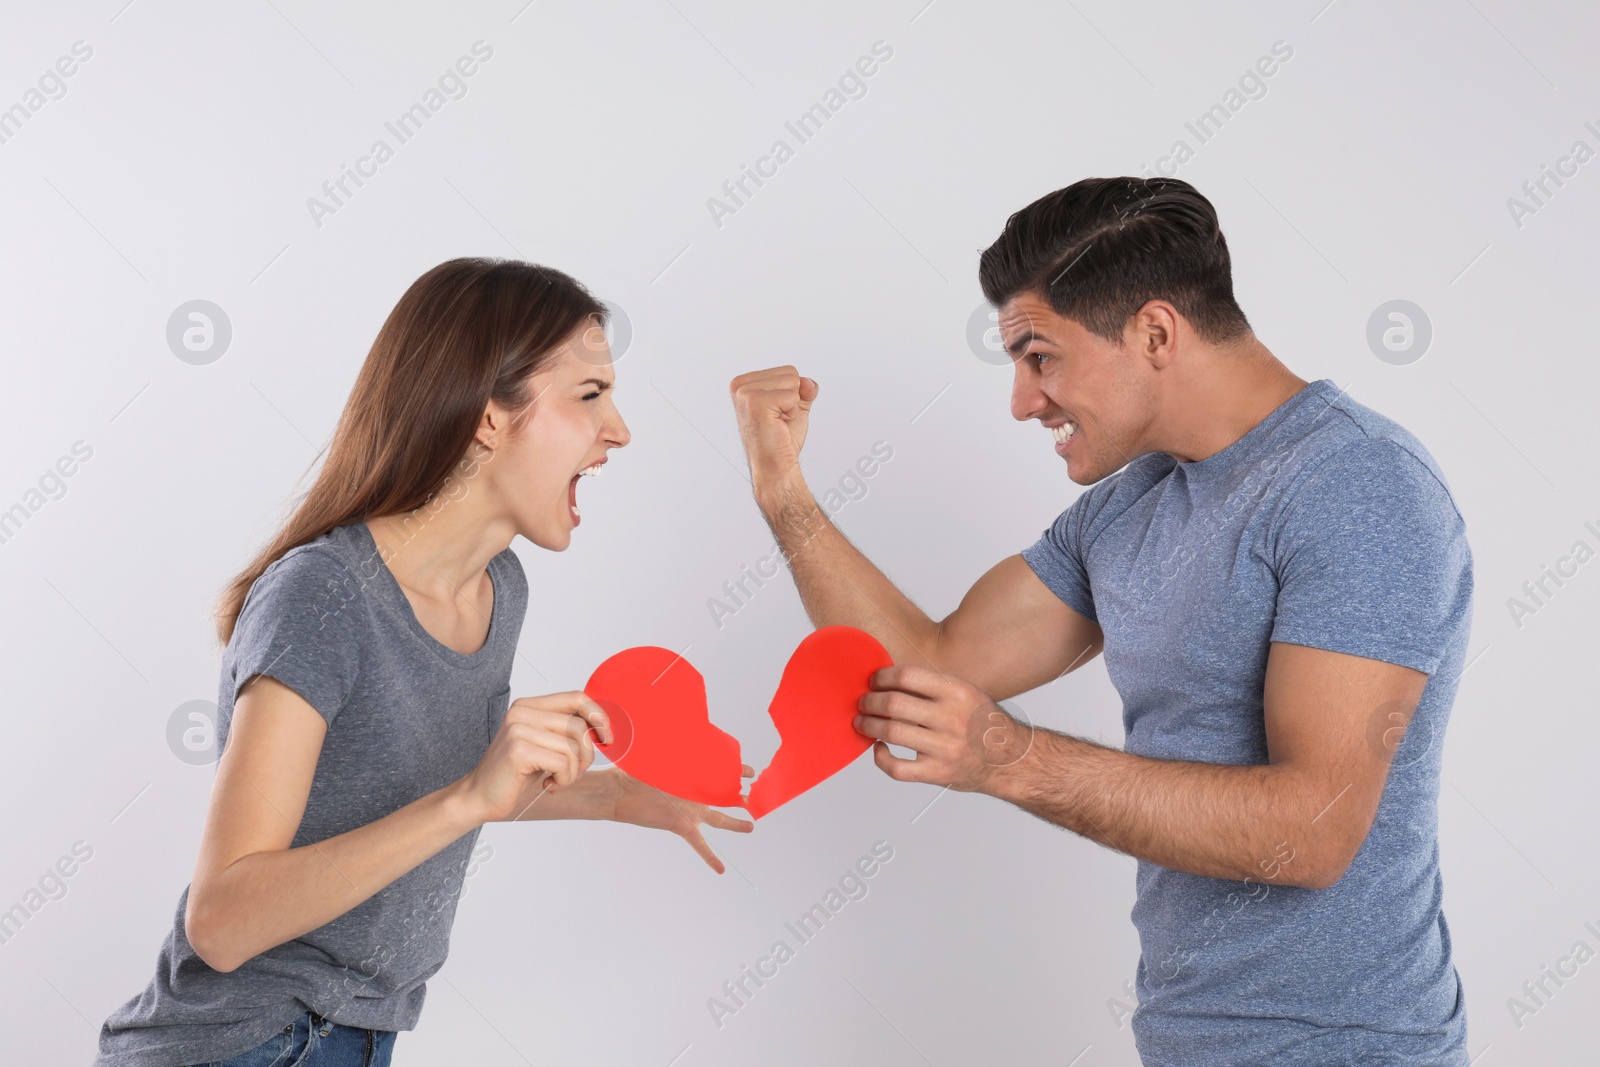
point(1202, 470)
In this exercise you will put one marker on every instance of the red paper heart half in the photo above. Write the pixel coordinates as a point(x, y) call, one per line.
point(663, 734)
point(813, 710)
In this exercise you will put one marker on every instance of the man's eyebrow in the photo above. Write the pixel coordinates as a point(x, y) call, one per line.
point(1024, 339)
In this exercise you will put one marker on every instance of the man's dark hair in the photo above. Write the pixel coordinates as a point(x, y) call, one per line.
point(1101, 248)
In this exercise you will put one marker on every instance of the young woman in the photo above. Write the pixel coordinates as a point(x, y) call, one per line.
point(364, 711)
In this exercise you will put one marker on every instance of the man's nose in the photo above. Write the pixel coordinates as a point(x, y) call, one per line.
point(1027, 398)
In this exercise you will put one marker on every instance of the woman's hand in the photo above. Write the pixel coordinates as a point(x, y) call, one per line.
point(644, 805)
point(542, 745)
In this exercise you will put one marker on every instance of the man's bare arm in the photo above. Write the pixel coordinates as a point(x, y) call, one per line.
point(1010, 633)
point(1332, 723)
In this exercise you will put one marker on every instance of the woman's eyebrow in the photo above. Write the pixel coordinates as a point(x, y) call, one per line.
point(599, 383)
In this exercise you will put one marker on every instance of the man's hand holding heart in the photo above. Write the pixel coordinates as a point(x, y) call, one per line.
point(962, 738)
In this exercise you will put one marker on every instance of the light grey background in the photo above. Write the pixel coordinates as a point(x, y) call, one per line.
point(177, 167)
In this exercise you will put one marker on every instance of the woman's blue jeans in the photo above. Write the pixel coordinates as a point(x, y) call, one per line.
point(312, 1041)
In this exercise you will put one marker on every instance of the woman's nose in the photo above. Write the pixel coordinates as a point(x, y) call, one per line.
point(619, 434)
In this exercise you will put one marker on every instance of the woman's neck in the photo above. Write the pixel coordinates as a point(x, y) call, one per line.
point(438, 551)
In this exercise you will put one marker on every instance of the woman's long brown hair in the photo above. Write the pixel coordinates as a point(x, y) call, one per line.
point(467, 330)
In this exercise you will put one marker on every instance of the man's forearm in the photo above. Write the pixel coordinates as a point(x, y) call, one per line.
point(838, 585)
point(1258, 822)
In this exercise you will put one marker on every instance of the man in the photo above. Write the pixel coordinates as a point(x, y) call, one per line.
point(1281, 584)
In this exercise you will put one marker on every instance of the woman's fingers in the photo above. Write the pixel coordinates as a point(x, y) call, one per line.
point(746, 771)
point(580, 714)
point(554, 761)
point(570, 731)
point(536, 749)
point(698, 841)
point(575, 755)
point(566, 768)
point(594, 716)
point(723, 821)
point(576, 705)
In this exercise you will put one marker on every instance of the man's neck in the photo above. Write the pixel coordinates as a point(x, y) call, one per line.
point(1222, 396)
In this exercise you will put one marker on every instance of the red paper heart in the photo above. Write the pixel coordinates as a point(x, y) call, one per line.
point(664, 736)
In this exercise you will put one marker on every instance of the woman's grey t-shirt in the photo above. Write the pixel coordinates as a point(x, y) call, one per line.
point(406, 716)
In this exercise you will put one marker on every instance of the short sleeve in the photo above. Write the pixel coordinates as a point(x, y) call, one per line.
point(1057, 558)
point(303, 623)
point(1372, 559)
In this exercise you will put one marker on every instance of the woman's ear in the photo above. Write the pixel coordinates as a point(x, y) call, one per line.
point(492, 425)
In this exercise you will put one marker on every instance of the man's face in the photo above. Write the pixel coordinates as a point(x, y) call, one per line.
point(1088, 391)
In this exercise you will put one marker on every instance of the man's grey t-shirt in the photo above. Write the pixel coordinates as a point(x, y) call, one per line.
point(406, 716)
point(1326, 525)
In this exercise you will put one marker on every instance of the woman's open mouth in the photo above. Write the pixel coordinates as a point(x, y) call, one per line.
point(572, 489)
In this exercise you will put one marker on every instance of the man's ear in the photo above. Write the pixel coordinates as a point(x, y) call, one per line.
point(1155, 329)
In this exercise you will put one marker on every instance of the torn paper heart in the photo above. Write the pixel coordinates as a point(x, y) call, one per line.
point(661, 733)
point(664, 736)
